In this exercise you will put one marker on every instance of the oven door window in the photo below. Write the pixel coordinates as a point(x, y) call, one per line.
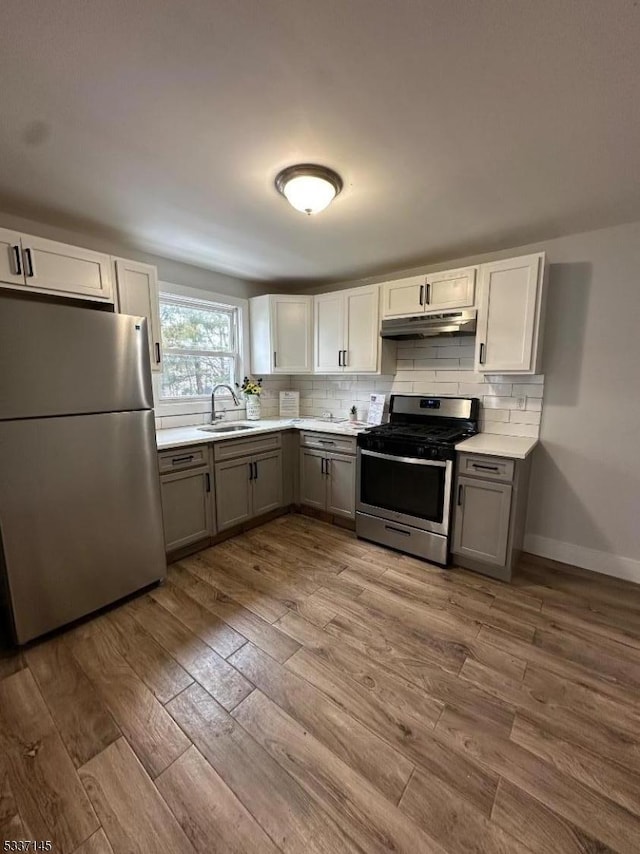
point(409, 488)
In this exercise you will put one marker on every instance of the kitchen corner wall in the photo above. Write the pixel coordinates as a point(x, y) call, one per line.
point(510, 405)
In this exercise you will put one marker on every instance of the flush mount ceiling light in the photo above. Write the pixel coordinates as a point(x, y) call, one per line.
point(307, 187)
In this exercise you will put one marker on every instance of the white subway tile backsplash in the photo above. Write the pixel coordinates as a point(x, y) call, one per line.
point(435, 367)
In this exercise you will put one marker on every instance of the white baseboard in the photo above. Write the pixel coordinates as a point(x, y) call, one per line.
point(604, 562)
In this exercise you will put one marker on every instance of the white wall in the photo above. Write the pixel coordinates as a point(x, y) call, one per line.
point(584, 505)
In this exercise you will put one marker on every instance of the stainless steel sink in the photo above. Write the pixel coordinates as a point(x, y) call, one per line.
point(227, 428)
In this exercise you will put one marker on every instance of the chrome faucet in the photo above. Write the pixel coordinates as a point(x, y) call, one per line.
point(215, 417)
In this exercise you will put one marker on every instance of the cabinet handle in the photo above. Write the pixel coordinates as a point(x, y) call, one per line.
point(344, 358)
point(397, 530)
point(31, 270)
point(321, 465)
point(484, 468)
point(339, 358)
point(421, 294)
point(157, 346)
point(428, 300)
point(186, 459)
point(459, 495)
point(208, 481)
point(255, 471)
point(275, 359)
point(17, 259)
point(481, 359)
point(327, 467)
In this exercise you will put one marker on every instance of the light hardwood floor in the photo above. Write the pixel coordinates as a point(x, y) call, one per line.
point(298, 690)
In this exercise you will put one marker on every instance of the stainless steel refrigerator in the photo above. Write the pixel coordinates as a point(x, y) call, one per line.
point(80, 512)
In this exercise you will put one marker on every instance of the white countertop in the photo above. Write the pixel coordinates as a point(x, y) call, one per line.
point(515, 447)
point(181, 437)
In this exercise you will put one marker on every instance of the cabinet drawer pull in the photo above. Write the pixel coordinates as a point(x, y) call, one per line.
point(484, 468)
point(325, 442)
point(17, 259)
point(31, 270)
point(186, 459)
point(157, 348)
point(397, 530)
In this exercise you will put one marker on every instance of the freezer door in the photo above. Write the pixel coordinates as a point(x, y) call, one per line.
point(80, 515)
point(64, 360)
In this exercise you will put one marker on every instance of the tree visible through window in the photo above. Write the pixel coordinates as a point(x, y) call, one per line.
point(200, 346)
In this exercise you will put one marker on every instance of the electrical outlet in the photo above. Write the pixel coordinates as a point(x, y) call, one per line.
point(521, 402)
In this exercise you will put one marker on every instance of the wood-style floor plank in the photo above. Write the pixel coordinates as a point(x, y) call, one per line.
point(209, 628)
point(577, 803)
point(357, 806)
point(294, 820)
point(543, 830)
point(453, 821)
point(210, 815)
point(261, 633)
point(151, 732)
point(82, 719)
point(96, 844)
point(48, 794)
point(219, 678)
point(325, 694)
point(134, 816)
point(345, 736)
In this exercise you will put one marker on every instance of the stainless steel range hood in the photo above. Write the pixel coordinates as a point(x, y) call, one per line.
point(430, 325)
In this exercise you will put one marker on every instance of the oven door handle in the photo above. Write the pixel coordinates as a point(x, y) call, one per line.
point(441, 464)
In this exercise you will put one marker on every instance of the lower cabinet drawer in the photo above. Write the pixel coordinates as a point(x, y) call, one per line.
point(328, 442)
point(183, 458)
point(494, 468)
point(229, 449)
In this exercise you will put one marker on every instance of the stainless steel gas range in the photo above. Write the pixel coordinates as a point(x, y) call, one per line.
point(405, 473)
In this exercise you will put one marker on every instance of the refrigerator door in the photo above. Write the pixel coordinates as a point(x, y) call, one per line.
point(80, 515)
point(65, 360)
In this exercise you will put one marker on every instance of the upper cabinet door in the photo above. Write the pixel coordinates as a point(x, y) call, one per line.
point(403, 297)
point(362, 332)
point(509, 316)
point(66, 269)
point(450, 289)
point(329, 332)
point(291, 332)
point(138, 295)
point(11, 261)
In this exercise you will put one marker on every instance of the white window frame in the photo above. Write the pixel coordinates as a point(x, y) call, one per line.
point(200, 405)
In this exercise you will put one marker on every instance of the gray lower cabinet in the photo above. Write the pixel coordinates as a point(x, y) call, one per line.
point(233, 492)
point(483, 513)
point(490, 513)
point(248, 487)
point(186, 507)
point(328, 482)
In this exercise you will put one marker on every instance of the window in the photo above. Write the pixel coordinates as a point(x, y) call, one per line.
point(200, 346)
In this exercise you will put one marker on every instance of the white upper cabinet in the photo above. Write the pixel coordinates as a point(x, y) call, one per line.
point(435, 292)
point(328, 332)
point(347, 331)
point(138, 295)
point(43, 265)
point(11, 266)
point(281, 334)
point(450, 289)
point(509, 315)
point(403, 297)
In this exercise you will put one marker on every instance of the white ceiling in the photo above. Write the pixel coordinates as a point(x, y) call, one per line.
point(457, 125)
